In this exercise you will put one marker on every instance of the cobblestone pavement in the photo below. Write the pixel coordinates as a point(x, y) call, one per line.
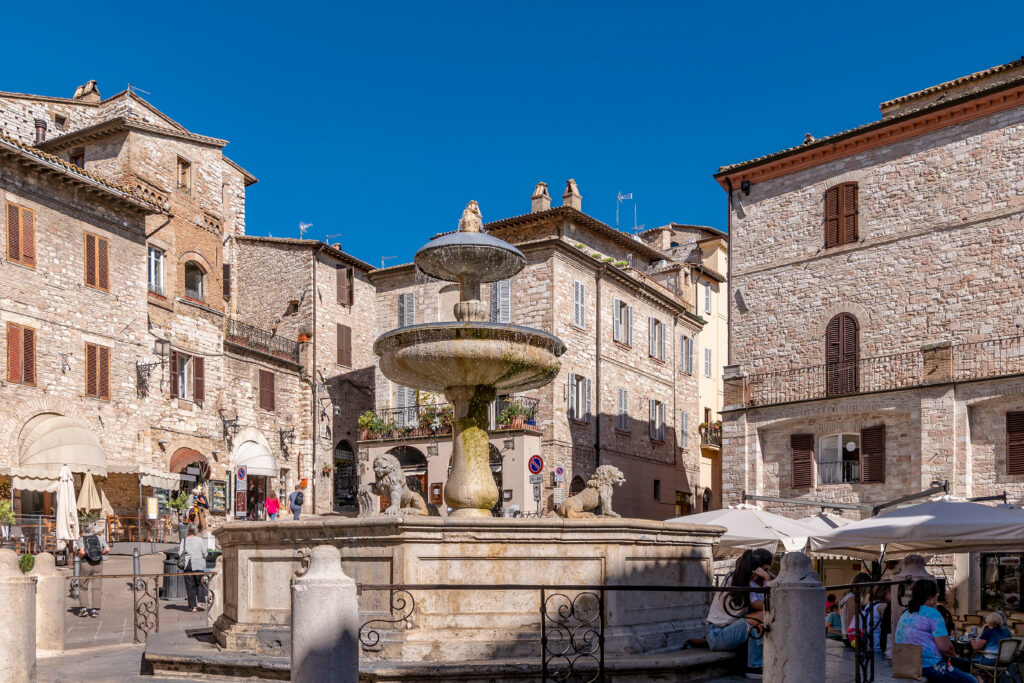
point(839, 666)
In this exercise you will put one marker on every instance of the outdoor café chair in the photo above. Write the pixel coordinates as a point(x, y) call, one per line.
point(1018, 629)
point(1006, 662)
point(973, 619)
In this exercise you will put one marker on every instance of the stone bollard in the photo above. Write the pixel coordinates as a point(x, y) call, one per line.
point(50, 607)
point(18, 627)
point(325, 621)
point(217, 588)
point(794, 649)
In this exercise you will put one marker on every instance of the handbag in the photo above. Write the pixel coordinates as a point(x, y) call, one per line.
point(906, 661)
point(182, 559)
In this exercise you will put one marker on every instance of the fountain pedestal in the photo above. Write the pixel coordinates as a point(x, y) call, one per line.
point(470, 490)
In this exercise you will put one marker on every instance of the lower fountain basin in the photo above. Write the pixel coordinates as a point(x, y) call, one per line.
point(435, 356)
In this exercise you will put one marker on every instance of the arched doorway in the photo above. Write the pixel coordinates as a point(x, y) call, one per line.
point(414, 466)
point(842, 353)
point(344, 476)
point(576, 485)
point(253, 453)
point(705, 500)
point(494, 459)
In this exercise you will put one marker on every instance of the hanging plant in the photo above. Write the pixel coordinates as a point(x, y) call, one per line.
point(327, 470)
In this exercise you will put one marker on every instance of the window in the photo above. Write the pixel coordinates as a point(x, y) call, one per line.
point(226, 280)
point(579, 397)
point(184, 175)
point(267, 394)
point(657, 420)
point(21, 354)
point(21, 235)
point(188, 377)
point(841, 355)
point(841, 225)
point(657, 489)
point(77, 158)
point(406, 309)
point(1015, 443)
point(802, 454)
point(405, 398)
point(345, 281)
point(686, 348)
point(684, 429)
point(707, 297)
point(707, 362)
point(97, 262)
point(97, 371)
point(344, 345)
point(622, 322)
point(839, 459)
point(683, 503)
point(656, 333)
point(579, 304)
point(623, 410)
point(194, 285)
point(60, 121)
point(155, 270)
point(501, 304)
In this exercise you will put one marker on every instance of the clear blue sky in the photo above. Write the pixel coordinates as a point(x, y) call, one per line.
point(381, 120)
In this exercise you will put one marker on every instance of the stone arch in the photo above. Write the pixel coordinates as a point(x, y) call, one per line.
point(186, 457)
point(576, 485)
point(345, 477)
point(860, 313)
point(187, 256)
point(409, 457)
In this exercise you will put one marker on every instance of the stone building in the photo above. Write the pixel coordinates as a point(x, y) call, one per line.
point(623, 393)
point(875, 319)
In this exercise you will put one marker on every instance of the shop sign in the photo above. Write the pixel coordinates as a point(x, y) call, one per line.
point(152, 507)
point(239, 503)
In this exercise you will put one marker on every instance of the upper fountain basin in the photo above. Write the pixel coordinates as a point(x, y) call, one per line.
point(435, 356)
point(476, 255)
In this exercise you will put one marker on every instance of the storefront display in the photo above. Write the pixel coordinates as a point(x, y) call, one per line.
point(218, 496)
point(1001, 581)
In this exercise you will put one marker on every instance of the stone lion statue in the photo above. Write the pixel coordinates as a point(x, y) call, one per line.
point(390, 482)
point(598, 494)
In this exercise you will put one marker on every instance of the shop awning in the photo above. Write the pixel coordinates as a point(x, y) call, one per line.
point(149, 476)
point(51, 441)
point(257, 459)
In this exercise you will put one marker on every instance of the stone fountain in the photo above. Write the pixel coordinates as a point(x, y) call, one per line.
point(469, 360)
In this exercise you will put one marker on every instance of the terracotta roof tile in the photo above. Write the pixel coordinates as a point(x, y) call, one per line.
point(956, 82)
point(311, 244)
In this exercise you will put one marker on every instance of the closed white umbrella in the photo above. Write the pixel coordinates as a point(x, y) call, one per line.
point(89, 497)
point(940, 526)
point(752, 527)
point(67, 514)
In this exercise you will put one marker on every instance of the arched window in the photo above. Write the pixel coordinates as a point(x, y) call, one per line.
point(842, 354)
point(194, 281)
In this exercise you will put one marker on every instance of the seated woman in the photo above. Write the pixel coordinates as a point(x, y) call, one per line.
point(833, 623)
point(922, 625)
point(988, 641)
point(726, 630)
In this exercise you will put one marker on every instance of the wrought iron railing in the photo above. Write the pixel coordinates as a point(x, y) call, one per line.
point(990, 358)
point(845, 472)
point(246, 336)
point(435, 419)
point(711, 436)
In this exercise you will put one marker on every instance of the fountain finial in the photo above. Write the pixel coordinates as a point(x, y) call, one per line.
point(472, 220)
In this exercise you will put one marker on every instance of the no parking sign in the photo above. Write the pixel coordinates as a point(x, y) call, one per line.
point(536, 464)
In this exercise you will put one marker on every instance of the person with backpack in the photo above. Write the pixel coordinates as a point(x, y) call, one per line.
point(295, 500)
point(90, 548)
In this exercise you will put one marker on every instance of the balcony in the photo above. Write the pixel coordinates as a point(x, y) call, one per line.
point(710, 435)
point(845, 472)
point(932, 364)
point(435, 419)
point(252, 338)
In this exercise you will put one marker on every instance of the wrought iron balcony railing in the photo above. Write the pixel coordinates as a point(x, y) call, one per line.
point(845, 472)
point(711, 436)
point(249, 337)
point(435, 419)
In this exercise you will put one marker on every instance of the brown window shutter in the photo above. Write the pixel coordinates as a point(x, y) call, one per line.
point(103, 374)
point(13, 232)
point(198, 379)
point(344, 285)
point(28, 238)
point(227, 281)
point(174, 373)
point(28, 354)
point(344, 345)
point(13, 353)
point(91, 379)
point(90, 260)
point(102, 264)
point(802, 446)
point(832, 217)
point(273, 395)
point(872, 455)
point(849, 213)
point(851, 354)
point(1015, 443)
point(833, 354)
point(266, 390)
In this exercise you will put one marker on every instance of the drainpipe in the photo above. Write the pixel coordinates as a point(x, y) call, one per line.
point(312, 385)
point(597, 373)
point(728, 273)
point(675, 370)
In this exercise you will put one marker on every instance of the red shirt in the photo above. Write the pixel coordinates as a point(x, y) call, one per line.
point(273, 505)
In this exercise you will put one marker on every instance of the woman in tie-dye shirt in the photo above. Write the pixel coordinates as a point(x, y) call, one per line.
point(923, 625)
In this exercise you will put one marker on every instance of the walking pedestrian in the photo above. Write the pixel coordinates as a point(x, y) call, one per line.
point(91, 548)
point(273, 506)
point(295, 500)
point(193, 550)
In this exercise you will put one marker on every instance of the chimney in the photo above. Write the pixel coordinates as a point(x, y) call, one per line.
point(88, 93)
point(572, 196)
point(40, 130)
point(541, 200)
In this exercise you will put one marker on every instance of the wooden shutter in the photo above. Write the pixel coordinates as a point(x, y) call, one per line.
point(91, 379)
point(661, 341)
point(28, 238)
point(28, 351)
point(1015, 443)
point(572, 396)
point(629, 326)
point(616, 320)
point(90, 259)
point(14, 349)
point(344, 345)
point(267, 390)
point(802, 447)
point(344, 285)
point(832, 230)
point(848, 209)
point(588, 410)
point(684, 429)
point(651, 414)
point(842, 355)
point(13, 233)
point(872, 455)
point(226, 280)
point(198, 379)
point(102, 264)
point(173, 363)
point(103, 373)
point(651, 351)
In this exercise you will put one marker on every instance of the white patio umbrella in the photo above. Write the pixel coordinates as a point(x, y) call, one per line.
point(939, 526)
point(67, 514)
point(752, 527)
point(89, 497)
point(823, 522)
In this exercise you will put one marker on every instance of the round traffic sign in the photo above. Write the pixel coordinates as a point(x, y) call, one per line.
point(559, 471)
point(241, 473)
point(536, 464)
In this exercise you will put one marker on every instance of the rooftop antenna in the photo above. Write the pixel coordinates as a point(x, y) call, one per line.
point(303, 227)
point(385, 258)
point(618, 202)
point(327, 238)
point(134, 89)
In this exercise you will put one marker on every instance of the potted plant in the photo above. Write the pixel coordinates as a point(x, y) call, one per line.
point(366, 423)
point(445, 415)
point(428, 415)
point(703, 428)
point(513, 416)
point(179, 504)
point(530, 413)
point(6, 517)
point(327, 470)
